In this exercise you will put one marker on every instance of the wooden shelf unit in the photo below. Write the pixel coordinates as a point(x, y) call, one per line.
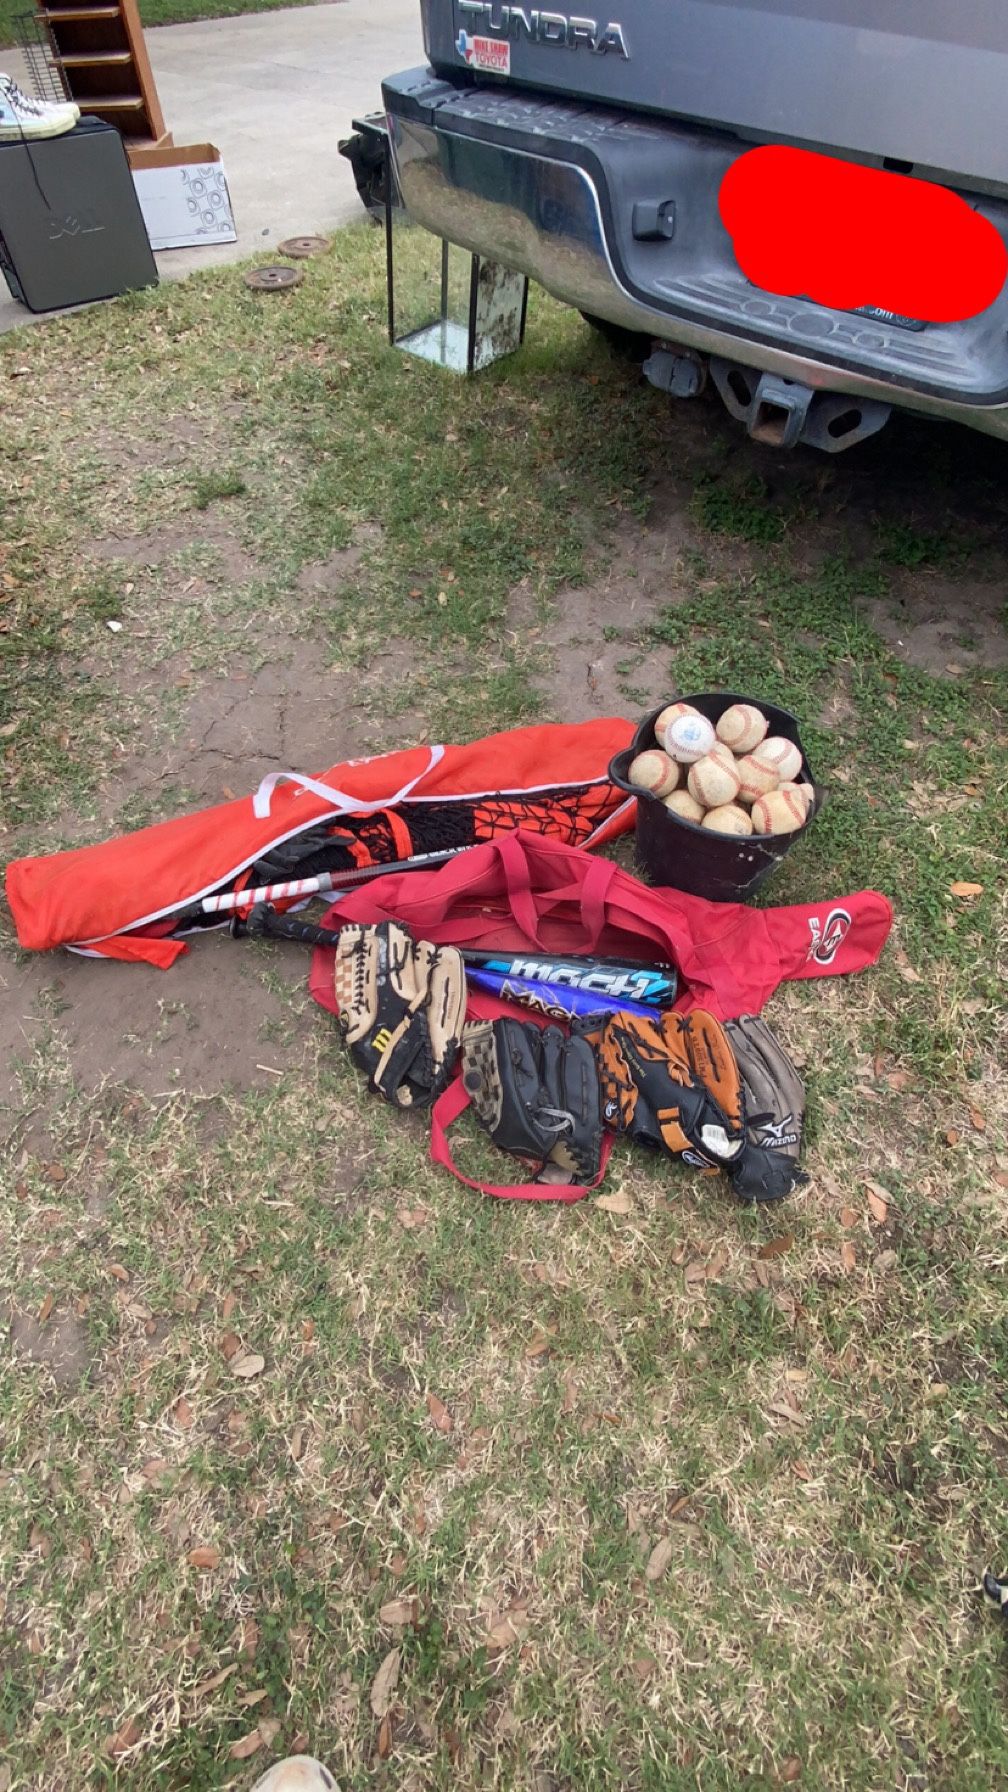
point(107, 69)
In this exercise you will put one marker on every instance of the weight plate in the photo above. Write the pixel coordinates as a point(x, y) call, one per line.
point(302, 247)
point(274, 278)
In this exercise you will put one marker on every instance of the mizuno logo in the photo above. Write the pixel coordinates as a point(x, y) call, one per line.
point(516, 22)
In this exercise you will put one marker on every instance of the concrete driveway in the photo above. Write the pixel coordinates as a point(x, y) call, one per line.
point(274, 92)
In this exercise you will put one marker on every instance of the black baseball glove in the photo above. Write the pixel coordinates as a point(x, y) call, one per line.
point(536, 1092)
point(401, 1006)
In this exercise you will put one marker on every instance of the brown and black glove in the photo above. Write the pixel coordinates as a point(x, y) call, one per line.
point(672, 1082)
point(536, 1093)
point(401, 1007)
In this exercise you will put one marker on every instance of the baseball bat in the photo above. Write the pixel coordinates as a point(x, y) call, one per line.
point(559, 1000)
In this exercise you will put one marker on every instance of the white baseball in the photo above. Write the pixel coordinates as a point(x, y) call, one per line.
point(713, 781)
point(742, 726)
point(803, 792)
point(728, 818)
point(685, 806)
point(780, 756)
point(756, 779)
point(688, 738)
point(779, 812)
point(653, 771)
point(668, 715)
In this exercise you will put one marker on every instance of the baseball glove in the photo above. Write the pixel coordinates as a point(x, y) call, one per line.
point(536, 1092)
point(672, 1082)
point(774, 1109)
point(401, 1006)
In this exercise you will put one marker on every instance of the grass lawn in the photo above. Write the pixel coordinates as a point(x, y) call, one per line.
point(157, 12)
point(688, 1496)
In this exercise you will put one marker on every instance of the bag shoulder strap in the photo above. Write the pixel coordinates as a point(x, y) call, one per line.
point(449, 1105)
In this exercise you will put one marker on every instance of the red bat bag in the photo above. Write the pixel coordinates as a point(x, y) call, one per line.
point(123, 898)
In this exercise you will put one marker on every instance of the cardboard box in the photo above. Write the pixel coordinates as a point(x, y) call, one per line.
point(183, 194)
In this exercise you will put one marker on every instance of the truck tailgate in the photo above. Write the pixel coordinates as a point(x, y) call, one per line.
point(919, 81)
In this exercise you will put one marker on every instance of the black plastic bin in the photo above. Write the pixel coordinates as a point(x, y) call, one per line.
point(670, 850)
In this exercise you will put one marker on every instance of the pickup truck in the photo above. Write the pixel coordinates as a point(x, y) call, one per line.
point(603, 155)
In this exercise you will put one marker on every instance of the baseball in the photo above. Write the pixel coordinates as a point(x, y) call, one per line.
point(688, 738)
point(804, 793)
point(712, 781)
point(742, 727)
point(728, 818)
point(670, 714)
point(755, 779)
point(780, 756)
point(685, 806)
point(653, 771)
point(779, 812)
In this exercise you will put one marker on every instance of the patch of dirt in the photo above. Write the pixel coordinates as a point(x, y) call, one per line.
point(595, 656)
point(330, 575)
point(943, 625)
point(210, 1024)
point(60, 1344)
point(157, 545)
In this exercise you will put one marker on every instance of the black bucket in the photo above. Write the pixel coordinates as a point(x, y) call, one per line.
point(671, 850)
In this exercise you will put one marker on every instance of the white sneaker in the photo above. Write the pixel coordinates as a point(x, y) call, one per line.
point(299, 1773)
point(21, 116)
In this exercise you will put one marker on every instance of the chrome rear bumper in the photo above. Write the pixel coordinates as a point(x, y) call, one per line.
point(548, 187)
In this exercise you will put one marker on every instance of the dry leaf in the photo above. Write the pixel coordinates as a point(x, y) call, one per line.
point(951, 1137)
point(412, 1218)
point(620, 1202)
point(878, 1202)
point(782, 1410)
point(384, 1739)
point(256, 1697)
point(246, 1746)
point(230, 1303)
point(776, 1247)
point(801, 1470)
point(849, 1216)
point(398, 1611)
point(46, 1307)
point(696, 1272)
point(978, 1119)
point(124, 1738)
point(439, 1413)
point(117, 1271)
point(206, 1687)
point(511, 1628)
point(966, 891)
point(659, 1559)
point(384, 1683)
point(40, 1540)
point(790, 1770)
point(206, 1556)
point(245, 1367)
point(569, 1392)
point(182, 1413)
point(848, 1256)
point(538, 1345)
point(269, 1727)
point(297, 1443)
